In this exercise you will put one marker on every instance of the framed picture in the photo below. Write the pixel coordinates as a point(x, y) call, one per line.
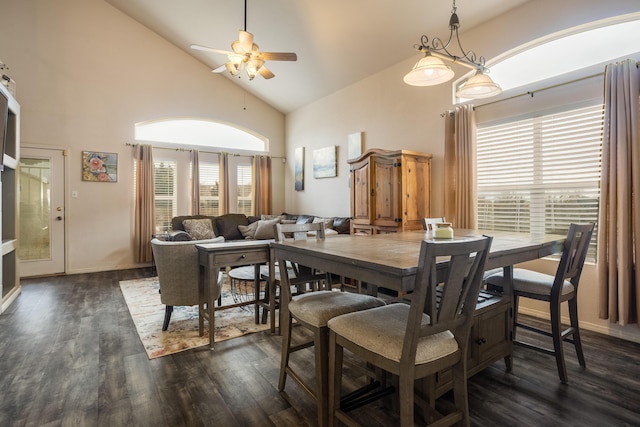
point(354, 145)
point(99, 167)
point(324, 162)
point(298, 168)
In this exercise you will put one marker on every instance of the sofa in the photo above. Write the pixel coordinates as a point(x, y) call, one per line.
point(236, 226)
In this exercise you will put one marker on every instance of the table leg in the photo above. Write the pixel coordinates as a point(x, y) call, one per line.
point(201, 301)
point(211, 282)
point(256, 292)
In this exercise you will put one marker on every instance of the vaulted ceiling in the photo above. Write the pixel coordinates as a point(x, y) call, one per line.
point(337, 42)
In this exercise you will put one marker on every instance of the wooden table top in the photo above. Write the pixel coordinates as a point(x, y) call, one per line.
point(391, 260)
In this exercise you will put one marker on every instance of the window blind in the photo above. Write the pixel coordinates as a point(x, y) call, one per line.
point(166, 198)
point(245, 189)
point(209, 188)
point(540, 174)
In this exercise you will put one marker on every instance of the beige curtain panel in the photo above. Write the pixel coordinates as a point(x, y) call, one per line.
point(460, 195)
point(262, 185)
point(144, 203)
point(224, 184)
point(619, 216)
point(195, 182)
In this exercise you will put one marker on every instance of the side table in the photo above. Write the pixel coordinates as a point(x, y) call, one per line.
point(214, 256)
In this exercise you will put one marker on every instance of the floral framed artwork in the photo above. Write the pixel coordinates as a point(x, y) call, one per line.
point(99, 167)
point(298, 168)
point(324, 162)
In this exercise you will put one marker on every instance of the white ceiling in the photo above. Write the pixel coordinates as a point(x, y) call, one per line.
point(338, 42)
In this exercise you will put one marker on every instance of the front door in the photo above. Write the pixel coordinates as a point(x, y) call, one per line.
point(41, 247)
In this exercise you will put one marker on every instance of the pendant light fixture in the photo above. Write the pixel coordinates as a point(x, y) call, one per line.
point(431, 69)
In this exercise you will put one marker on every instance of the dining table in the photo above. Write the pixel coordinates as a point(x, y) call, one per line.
point(390, 261)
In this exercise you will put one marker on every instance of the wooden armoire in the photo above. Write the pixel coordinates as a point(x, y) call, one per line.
point(390, 191)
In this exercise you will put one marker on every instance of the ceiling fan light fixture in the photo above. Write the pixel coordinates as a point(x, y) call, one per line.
point(429, 71)
point(253, 66)
point(477, 86)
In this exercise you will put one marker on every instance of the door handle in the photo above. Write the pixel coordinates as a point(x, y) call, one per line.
point(58, 218)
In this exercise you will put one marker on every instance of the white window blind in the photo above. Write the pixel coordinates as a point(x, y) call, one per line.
point(166, 197)
point(209, 188)
point(245, 189)
point(540, 174)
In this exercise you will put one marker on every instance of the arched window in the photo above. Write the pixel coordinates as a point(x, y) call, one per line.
point(174, 140)
point(200, 133)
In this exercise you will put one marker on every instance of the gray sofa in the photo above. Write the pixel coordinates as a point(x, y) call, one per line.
point(238, 226)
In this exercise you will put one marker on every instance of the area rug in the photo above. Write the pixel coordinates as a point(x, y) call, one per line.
point(143, 300)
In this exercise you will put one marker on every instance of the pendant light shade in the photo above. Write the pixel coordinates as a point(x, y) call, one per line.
point(429, 71)
point(478, 86)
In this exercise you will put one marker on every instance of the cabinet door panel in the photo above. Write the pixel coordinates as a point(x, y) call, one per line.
point(386, 201)
point(361, 194)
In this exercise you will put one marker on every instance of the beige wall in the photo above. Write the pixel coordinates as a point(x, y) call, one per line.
point(85, 75)
point(393, 115)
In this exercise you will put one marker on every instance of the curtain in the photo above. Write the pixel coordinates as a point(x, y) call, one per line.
point(144, 203)
point(619, 215)
point(224, 183)
point(262, 185)
point(460, 187)
point(195, 182)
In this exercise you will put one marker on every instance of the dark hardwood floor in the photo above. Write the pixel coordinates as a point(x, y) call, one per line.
point(70, 355)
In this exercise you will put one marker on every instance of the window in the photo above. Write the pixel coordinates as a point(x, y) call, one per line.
point(245, 189)
point(166, 198)
point(209, 188)
point(540, 174)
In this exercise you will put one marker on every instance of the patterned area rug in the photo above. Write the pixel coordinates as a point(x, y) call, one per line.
point(143, 300)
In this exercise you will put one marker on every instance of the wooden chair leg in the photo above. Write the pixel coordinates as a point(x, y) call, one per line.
point(286, 348)
point(167, 317)
point(406, 390)
point(335, 378)
point(573, 315)
point(556, 332)
point(321, 348)
point(460, 392)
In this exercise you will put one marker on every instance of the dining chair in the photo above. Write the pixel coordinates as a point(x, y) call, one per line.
point(428, 223)
point(311, 309)
point(563, 287)
point(419, 339)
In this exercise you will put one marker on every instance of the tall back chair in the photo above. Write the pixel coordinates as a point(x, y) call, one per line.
point(418, 340)
point(179, 273)
point(554, 290)
point(312, 308)
point(428, 223)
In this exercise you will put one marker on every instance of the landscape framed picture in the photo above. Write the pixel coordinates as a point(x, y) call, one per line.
point(99, 167)
point(298, 168)
point(324, 162)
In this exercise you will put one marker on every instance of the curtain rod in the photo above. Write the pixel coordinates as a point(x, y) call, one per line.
point(204, 151)
point(531, 93)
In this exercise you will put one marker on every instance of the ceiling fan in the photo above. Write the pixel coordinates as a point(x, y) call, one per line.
point(245, 54)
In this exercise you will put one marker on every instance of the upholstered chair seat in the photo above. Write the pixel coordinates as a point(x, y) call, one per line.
point(317, 308)
point(382, 331)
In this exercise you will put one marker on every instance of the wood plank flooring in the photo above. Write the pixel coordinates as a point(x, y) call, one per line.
point(70, 355)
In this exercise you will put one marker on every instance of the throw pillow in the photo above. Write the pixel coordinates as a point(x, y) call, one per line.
point(268, 217)
point(248, 231)
point(328, 222)
point(199, 229)
point(266, 229)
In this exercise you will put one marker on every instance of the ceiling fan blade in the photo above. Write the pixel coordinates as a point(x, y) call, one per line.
point(246, 40)
point(279, 56)
point(210, 49)
point(266, 73)
point(220, 69)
